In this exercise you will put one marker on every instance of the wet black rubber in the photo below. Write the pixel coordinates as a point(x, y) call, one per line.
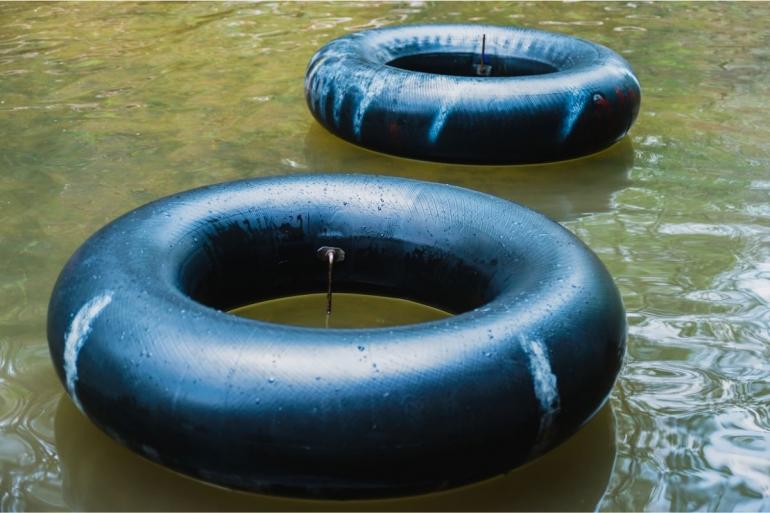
point(138, 335)
point(412, 91)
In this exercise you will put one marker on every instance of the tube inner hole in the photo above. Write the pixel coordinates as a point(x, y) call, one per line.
point(463, 64)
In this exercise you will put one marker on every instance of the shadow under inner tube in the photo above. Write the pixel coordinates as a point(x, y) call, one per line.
point(412, 91)
point(562, 190)
point(100, 475)
point(139, 338)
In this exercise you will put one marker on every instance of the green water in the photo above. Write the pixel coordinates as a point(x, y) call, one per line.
point(348, 311)
point(104, 107)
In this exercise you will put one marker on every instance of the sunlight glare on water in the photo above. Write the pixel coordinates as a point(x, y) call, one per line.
point(106, 106)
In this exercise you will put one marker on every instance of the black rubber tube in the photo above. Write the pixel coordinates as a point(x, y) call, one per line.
point(138, 336)
point(413, 91)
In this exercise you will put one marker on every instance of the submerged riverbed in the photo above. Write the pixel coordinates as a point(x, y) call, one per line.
point(106, 106)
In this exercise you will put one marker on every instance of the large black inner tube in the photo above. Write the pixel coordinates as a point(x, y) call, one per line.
point(413, 91)
point(138, 336)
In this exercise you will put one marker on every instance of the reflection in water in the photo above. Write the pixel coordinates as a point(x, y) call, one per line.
point(561, 190)
point(100, 474)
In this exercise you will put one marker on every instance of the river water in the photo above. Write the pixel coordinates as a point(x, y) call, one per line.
point(106, 106)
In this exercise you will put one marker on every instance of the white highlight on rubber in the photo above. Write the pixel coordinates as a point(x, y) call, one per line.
point(545, 387)
point(446, 108)
point(76, 336)
point(373, 89)
point(577, 103)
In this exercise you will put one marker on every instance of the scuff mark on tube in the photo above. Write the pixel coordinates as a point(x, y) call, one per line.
point(375, 87)
point(546, 391)
point(446, 108)
point(575, 105)
point(75, 337)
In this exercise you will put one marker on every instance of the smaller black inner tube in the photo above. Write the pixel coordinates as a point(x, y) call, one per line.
point(462, 64)
point(414, 91)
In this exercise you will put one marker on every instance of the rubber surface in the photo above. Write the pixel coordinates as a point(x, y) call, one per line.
point(138, 336)
point(412, 91)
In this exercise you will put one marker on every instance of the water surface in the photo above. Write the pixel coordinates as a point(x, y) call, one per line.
point(104, 107)
point(348, 311)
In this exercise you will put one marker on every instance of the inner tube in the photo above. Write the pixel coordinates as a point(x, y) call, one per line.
point(139, 337)
point(413, 91)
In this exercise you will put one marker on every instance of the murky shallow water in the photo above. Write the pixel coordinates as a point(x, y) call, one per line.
point(348, 311)
point(106, 106)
